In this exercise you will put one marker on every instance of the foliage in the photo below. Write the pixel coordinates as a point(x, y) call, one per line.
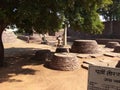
point(7, 11)
point(50, 15)
point(83, 15)
point(41, 15)
point(112, 12)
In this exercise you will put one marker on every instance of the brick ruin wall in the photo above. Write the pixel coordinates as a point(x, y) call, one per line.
point(107, 33)
point(9, 37)
point(115, 33)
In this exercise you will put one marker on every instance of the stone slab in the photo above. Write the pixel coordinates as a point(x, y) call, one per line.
point(97, 63)
point(83, 55)
point(96, 55)
point(109, 55)
point(105, 63)
point(84, 65)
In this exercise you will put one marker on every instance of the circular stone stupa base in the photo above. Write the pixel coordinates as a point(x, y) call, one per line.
point(112, 44)
point(64, 62)
point(85, 47)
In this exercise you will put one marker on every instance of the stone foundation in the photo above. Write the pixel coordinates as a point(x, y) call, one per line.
point(105, 41)
point(64, 61)
point(85, 47)
point(112, 44)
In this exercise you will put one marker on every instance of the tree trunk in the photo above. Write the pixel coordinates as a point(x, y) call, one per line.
point(65, 36)
point(1, 48)
point(2, 27)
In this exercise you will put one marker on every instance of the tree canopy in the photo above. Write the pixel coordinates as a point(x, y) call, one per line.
point(42, 15)
point(50, 15)
point(112, 12)
point(46, 15)
point(85, 17)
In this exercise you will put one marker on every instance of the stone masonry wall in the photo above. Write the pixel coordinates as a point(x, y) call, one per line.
point(9, 37)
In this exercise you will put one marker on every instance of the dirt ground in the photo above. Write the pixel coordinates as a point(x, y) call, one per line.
point(22, 72)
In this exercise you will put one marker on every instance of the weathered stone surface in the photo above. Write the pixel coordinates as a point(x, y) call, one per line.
point(105, 41)
point(9, 37)
point(112, 44)
point(24, 38)
point(105, 63)
point(95, 62)
point(110, 54)
point(64, 61)
point(118, 64)
point(83, 55)
point(85, 46)
point(62, 49)
point(35, 38)
point(85, 66)
point(117, 49)
point(95, 55)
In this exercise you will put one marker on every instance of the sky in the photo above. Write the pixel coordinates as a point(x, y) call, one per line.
point(102, 19)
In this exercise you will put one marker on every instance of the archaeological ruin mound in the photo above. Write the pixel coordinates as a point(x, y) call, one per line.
point(112, 44)
point(64, 61)
point(85, 46)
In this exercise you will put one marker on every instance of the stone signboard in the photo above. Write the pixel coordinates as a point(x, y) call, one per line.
point(103, 78)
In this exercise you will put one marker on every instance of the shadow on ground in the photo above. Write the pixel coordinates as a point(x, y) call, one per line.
point(15, 59)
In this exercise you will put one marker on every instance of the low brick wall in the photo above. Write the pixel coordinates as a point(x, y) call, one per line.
point(105, 41)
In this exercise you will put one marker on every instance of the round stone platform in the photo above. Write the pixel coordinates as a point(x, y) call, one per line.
point(64, 61)
point(112, 44)
point(85, 47)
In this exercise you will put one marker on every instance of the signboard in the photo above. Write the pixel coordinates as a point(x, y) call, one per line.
point(103, 78)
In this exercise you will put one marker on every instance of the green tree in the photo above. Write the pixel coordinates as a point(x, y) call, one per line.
point(112, 12)
point(50, 15)
point(42, 15)
point(47, 15)
point(83, 15)
point(7, 12)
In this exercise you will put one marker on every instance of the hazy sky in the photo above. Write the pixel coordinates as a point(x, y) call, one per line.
point(101, 18)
